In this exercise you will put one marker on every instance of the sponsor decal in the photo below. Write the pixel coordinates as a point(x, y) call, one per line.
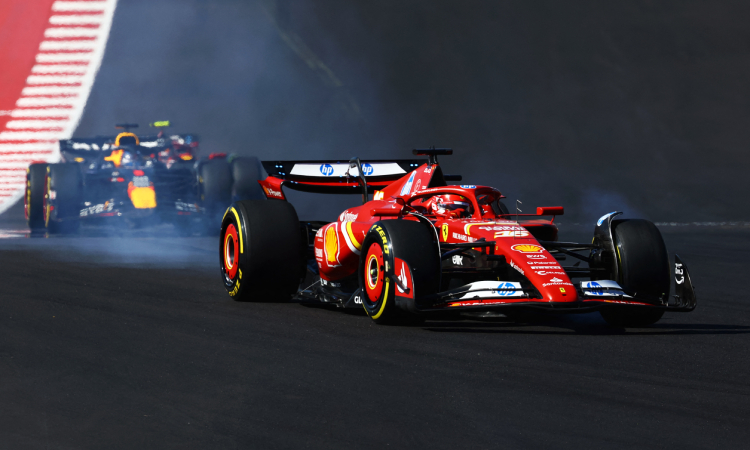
point(679, 273)
point(515, 266)
point(557, 282)
point(444, 230)
point(603, 218)
point(378, 195)
point(383, 238)
point(540, 263)
point(326, 170)
point(402, 278)
point(595, 291)
point(527, 248)
point(189, 207)
point(506, 290)
point(346, 216)
point(468, 186)
point(536, 257)
point(357, 299)
point(428, 169)
point(463, 237)
point(519, 233)
point(407, 187)
point(367, 169)
point(546, 272)
point(458, 260)
point(270, 192)
point(141, 181)
point(602, 288)
point(331, 246)
point(502, 228)
point(418, 186)
point(97, 209)
point(319, 253)
point(562, 290)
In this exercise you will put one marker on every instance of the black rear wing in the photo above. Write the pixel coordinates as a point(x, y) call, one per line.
point(336, 176)
point(88, 148)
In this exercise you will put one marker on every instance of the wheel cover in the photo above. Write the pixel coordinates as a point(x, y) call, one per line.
point(374, 273)
point(231, 251)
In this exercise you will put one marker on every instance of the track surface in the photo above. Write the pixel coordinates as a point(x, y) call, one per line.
point(132, 343)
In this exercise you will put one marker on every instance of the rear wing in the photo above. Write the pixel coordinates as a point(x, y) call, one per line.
point(87, 148)
point(336, 176)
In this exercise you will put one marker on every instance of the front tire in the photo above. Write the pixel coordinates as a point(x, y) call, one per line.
point(386, 242)
point(261, 251)
point(643, 264)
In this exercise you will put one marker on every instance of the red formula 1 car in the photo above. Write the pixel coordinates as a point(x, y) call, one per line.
point(423, 247)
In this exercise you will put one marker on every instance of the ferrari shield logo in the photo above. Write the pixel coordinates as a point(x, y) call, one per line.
point(445, 232)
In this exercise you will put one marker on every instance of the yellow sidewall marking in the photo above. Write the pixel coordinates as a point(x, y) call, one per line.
point(239, 225)
point(385, 300)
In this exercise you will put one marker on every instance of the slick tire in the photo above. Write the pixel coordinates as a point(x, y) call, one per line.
point(261, 251)
point(215, 179)
point(67, 183)
point(35, 199)
point(245, 175)
point(408, 241)
point(56, 213)
point(643, 265)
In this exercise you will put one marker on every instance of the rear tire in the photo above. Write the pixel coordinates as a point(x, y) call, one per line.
point(246, 173)
point(412, 242)
point(215, 178)
point(35, 199)
point(643, 265)
point(261, 251)
point(58, 212)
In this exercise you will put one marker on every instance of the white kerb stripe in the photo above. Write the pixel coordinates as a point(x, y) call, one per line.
point(26, 147)
point(51, 90)
point(26, 124)
point(59, 68)
point(53, 79)
point(29, 135)
point(44, 101)
point(66, 45)
point(64, 57)
point(71, 32)
point(41, 112)
point(77, 6)
point(79, 19)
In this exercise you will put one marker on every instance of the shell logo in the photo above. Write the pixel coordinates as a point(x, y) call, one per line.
point(527, 248)
point(331, 246)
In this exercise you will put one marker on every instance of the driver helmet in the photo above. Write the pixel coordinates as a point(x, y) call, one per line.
point(450, 206)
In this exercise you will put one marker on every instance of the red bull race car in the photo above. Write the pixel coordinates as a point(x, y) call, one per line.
point(137, 180)
point(422, 247)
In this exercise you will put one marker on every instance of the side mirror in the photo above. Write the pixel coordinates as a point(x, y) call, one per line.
point(550, 211)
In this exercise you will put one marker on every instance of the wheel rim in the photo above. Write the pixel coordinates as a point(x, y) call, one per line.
point(374, 275)
point(231, 251)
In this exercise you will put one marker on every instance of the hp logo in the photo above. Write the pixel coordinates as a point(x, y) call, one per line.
point(326, 169)
point(594, 284)
point(367, 169)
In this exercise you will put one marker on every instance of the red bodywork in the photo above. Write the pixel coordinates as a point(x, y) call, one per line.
point(338, 248)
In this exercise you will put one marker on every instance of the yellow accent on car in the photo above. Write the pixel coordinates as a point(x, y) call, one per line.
point(349, 231)
point(239, 226)
point(445, 232)
point(115, 157)
point(143, 197)
point(186, 157)
point(161, 123)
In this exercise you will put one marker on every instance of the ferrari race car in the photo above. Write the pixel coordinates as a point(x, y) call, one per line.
point(423, 247)
point(138, 180)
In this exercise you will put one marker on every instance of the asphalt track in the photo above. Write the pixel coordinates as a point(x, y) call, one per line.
point(131, 342)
